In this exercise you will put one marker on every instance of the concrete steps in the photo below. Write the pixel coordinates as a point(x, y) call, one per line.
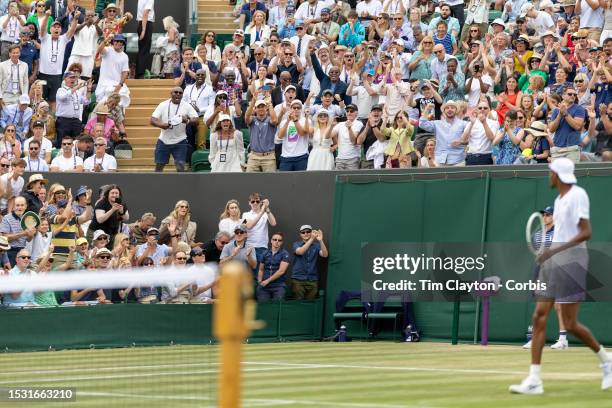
point(146, 95)
point(215, 15)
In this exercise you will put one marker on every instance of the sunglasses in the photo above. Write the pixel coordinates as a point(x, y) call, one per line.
point(482, 108)
point(350, 110)
point(222, 97)
point(107, 257)
point(578, 81)
point(102, 239)
point(277, 240)
point(520, 117)
point(181, 259)
point(398, 18)
point(571, 94)
point(255, 201)
point(5, 166)
point(427, 42)
point(198, 254)
point(474, 31)
point(34, 148)
point(100, 145)
point(24, 257)
point(183, 206)
point(238, 232)
point(149, 264)
point(288, 55)
point(224, 242)
point(306, 232)
point(9, 131)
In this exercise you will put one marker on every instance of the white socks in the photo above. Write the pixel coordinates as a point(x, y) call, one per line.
point(534, 371)
point(602, 355)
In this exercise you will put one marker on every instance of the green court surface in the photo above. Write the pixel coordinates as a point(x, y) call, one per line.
point(326, 375)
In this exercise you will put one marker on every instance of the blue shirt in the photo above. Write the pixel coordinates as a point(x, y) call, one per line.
point(566, 135)
point(21, 119)
point(246, 10)
point(603, 94)
point(262, 135)
point(12, 225)
point(29, 54)
point(161, 251)
point(446, 132)
point(194, 66)
point(271, 262)
point(305, 265)
point(27, 296)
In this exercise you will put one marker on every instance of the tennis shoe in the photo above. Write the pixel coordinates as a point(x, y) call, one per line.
point(527, 345)
point(529, 386)
point(606, 382)
point(560, 345)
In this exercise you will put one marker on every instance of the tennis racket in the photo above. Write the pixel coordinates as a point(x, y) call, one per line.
point(535, 234)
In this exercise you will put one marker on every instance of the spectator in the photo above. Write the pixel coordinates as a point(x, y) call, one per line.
point(64, 229)
point(13, 75)
point(445, 15)
point(208, 279)
point(179, 221)
point(230, 217)
point(30, 53)
point(153, 249)
point(508, 140)
point(287, 61)
point(478, 135)
point(145, 16)
point(248, 10)
point(10, 147)
point(70, 105)
point(262, 127)
point(428, 159)
point(101, 261)
point(114, 68)
point(444, 38)
point(321, 157)
point(213, 248)
point(257, 29)
point(85, 40)
point(304, 274)
point(257, 220)
point(213, 51)
point(35, 183)
point(239, 249)
point(200, 95)
point(25, 298)
point(477, 85)
point(279, 93)
point(43, 114)
point(170, 49)
point(220, 107)
point(19, 115)
point(11, 184)
point(271, 275)
point(52, 52)
point(566, 122)
point(67, 160)
point(540, 21)
point(591, 17)
point(420, 63)
point(448, 132)
point(185, 72)
point(11, 24)
point(100, 161)
point(138, 230)
point(44, 146)
point(11, 227)
point(109, 213)
point(452, 84)
point(507, 100)
point(399, 148)
point(57, 192)
point(331, 80)
point(353, 32)
point(326, 31)
point(173, 138)
point(294, 132)
point(226, 147)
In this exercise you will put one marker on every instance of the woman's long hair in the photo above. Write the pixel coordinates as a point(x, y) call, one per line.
point(225, 214)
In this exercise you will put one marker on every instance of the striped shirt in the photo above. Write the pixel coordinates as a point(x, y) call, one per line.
point(64, 238)
point(12, 225)
point(537, 238)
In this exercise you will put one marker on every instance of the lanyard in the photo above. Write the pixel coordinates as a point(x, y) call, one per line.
point(312, 12)
point(54, 51)
point(8, 151)
point(37, 164)
point(20, 123)
point(15, 84)
point(75, 101)
point(221, 142)
point(177, 108)
point(101, 162)
point(199, 94)
point(12, 26)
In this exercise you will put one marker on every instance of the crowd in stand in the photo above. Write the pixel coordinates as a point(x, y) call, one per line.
point(322, 84)
point(51, 228)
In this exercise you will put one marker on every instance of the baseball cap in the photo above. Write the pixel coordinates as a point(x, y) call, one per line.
point(328, 91)
point(525, 9)
point(377, 107)
point(547, 210)
point(352, 106)
point(325, 10)
point(38, 124)
point(290, 87)
point(239, 32)
point(82, 241)
point(260, 102)
point(299, 23)
point(564, 168)
point(306, 227)
point(240, 227)
point(152, 231)
point(24, 100)
point(69, 74)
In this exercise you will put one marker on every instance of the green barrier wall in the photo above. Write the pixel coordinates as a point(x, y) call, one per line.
point(476, 206)
point(122, 325)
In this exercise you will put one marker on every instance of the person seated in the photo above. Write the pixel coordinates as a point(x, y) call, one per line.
point(44, 145)
point(101, 117)
point(179, 221)
point(18, 114)
point(67, 160)
point(148, 294)
point(204, 291)
point(178, 291)
point(25, 298)
point(100, 162)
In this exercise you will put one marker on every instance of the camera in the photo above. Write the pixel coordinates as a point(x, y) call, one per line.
point(476, 68)
point(118, 200)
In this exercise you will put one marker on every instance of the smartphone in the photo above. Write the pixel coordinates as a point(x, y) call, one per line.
point(118, 200)
point(266, 88)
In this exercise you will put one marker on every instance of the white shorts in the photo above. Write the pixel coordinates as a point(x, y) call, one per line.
point(86, 62)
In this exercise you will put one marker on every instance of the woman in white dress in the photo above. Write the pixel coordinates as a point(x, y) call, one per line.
point(321, 157)
point(429, 154)
point(226, 147)
point(230, 217)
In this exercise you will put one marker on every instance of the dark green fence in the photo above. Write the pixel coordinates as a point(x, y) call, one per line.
point(459, 206)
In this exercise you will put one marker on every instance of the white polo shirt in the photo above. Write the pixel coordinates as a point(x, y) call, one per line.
point(168, 110)
point(107, 162)
point(479, 143)
point(258, 235)
point(346, 149)
point(66, 164)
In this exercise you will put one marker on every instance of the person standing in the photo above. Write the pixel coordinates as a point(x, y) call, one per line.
point(256, 221)
point(171, 116)
point(262, 125)
point(13, 76)
point(571, 216)
point(305, 275)
point(145, 15)
point(271, 274)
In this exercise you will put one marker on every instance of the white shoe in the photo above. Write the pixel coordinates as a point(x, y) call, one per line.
point(560, 345)
point(527, 345)
point(606, 381)
point(529, 386)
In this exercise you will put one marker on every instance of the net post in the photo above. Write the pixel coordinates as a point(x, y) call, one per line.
point(234, 315)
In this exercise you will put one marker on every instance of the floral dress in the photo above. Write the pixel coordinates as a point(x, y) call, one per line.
point(508, 152)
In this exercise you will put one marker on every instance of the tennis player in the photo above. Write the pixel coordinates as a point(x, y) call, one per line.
point(563, 268)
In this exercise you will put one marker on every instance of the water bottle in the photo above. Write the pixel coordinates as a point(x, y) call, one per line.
point(342, 334)
point(408, 333)
point(529, 333)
